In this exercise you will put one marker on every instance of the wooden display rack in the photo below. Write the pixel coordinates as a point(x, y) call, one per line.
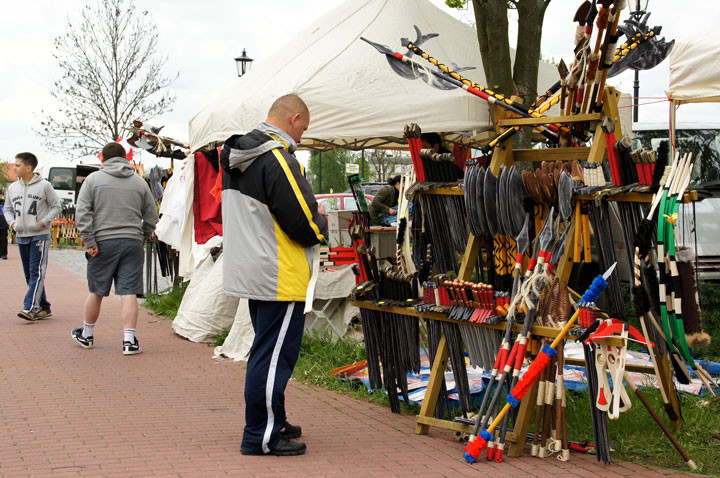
point(504, 155)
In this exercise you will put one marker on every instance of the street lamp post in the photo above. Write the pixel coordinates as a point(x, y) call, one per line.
point(637, 16)
point(243, 63)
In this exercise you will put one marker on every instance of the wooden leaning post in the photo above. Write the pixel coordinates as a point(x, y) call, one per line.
point(504, 155)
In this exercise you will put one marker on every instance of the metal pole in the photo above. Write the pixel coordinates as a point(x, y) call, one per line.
point(362, 164)
point(636, 15)
point(320, 173)
point(636, 96)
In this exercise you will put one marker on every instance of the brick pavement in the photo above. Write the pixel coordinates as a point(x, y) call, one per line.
point(174, 411)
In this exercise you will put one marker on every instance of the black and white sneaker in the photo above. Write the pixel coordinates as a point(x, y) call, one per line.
point(130, 348)
point(27, 315)
point(85, 342)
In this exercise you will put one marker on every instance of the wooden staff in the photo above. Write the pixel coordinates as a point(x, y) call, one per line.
point(663, 427)
point(547, 407)
point(606, 62)
point(535, 449)
point(594, 60)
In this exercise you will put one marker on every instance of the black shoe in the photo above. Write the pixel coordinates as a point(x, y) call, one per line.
point(288, 432)
point(85, 342)
point(130, 348)
point(283, 448)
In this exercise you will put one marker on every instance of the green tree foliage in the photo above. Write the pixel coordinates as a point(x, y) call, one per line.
point(333, 174)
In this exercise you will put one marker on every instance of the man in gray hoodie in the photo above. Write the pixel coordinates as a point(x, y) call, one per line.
point(30, 208)
point(115, 213)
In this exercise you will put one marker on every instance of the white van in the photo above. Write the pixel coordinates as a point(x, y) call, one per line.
point(66, 179)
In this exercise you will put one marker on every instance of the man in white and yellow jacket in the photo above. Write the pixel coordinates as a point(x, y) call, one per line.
point(271, 222)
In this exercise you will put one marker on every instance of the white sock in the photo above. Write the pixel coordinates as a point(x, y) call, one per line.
point(129, 335)
point(87, 330)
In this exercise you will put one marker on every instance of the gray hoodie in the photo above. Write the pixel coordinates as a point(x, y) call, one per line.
point(28, 204)
point(115, 203)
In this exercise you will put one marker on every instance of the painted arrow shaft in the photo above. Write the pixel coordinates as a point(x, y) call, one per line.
point(500, 100)
point(550, 131)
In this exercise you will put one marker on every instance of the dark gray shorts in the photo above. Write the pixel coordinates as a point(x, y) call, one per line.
point(119, 260)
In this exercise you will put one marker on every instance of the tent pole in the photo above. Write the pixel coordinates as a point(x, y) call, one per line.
point(320, 173)
point(362, 164)
point(673, 120)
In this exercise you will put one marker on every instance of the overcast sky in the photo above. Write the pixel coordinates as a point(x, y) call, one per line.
point(202, 38)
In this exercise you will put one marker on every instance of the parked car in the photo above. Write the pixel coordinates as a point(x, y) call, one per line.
point(339, 201)
point(369, 188)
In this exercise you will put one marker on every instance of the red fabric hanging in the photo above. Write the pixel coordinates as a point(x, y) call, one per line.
point(207, 210)
point(461, 154)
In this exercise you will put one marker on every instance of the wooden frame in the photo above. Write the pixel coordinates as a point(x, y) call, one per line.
point(504, 155)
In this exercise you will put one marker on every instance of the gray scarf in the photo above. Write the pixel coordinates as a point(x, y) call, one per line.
point(275, 131)
point(242, 158)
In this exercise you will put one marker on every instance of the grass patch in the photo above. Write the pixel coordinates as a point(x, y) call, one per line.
point(709, 293)
point(220, 338)
point(710, 312)
point(319, 355)
point(168, 304)
point(635, 437)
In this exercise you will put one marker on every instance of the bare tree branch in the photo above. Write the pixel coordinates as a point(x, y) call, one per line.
point(384, 163)
point(111, 74)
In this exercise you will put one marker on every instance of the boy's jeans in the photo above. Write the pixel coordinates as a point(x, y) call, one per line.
point(34, 255)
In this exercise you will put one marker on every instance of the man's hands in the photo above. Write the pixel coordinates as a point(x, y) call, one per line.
point(40, 224)
point(392, 212)
point(321, 209)
point(92, 251)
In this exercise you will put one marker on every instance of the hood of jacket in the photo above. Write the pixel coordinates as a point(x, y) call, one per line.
point(36, 177)
point(243, 150)
point(118, 167)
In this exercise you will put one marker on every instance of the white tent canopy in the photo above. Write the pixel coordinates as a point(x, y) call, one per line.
point(695, 69)
point(356, 99)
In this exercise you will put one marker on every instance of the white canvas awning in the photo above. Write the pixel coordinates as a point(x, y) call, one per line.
point(356, 99)
point(695, 69)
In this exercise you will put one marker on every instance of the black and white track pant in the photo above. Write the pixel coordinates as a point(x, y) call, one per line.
point(275, 349)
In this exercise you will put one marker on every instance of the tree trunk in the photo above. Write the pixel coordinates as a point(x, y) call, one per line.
point(527, 58)
point(492, 32)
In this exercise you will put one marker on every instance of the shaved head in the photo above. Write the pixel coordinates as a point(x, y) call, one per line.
point(288, 105)
point(290, 114)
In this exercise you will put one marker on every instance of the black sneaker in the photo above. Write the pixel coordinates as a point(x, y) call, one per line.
point(288, 432)
point(283, 448)
point(85, 342)
point(130, 348)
